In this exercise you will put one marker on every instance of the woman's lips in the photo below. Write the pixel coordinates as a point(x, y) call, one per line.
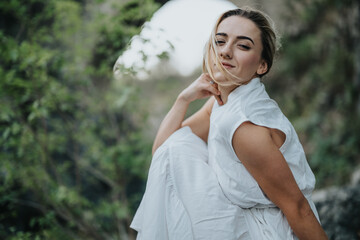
point(227, 65)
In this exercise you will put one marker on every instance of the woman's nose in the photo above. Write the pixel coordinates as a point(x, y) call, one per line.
point(226, 51)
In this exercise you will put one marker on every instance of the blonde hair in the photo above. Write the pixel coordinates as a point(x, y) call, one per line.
point(268, 40)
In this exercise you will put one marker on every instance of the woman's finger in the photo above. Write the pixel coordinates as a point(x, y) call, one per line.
point(212, 89)
point(218, 99)
point(214, 86)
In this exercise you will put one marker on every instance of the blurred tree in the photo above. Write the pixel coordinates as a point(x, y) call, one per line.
point(317, 83)
point(73, 160)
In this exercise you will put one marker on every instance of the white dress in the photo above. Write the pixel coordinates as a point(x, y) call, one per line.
point(202, 191)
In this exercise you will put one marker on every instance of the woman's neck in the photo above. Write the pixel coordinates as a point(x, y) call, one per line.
point(225, 92)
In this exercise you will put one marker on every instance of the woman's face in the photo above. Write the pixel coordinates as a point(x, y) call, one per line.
point(238, 44)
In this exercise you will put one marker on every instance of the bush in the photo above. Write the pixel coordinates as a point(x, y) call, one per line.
point(73, 160)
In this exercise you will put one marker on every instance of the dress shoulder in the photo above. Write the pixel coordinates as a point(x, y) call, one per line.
point(258, 108)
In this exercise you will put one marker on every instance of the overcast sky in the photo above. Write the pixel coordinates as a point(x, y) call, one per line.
point(186, 24)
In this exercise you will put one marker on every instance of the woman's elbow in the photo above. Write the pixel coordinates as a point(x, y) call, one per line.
point(304, 208)
point(298, 208)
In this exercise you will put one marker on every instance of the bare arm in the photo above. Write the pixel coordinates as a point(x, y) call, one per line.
point(200, 88)
point(258, 152)
point(199, 122)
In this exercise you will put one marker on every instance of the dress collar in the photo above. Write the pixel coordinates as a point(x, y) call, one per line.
point(242, 89)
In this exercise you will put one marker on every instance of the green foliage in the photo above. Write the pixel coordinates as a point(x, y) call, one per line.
point(116, 34)
point(73, 159)
point(321, 96)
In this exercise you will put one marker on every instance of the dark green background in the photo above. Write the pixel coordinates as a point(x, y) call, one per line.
point(73, 156)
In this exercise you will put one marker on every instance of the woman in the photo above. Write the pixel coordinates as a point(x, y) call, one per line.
point(235, 169)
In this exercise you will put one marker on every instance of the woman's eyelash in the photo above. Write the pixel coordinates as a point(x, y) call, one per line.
point(244, 46)
point(218, 42)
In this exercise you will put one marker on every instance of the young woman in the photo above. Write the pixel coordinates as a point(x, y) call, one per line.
point(235, 169)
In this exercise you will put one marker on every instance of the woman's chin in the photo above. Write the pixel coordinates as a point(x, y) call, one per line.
point(219, 78)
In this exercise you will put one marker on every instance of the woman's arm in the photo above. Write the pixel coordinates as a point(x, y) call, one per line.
point(199, 122)
point(200, 88)
point(260, 155)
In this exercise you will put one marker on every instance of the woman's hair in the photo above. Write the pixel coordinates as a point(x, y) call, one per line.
point(268, 39)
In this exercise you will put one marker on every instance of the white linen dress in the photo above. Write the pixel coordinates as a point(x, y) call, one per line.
point(203, 191)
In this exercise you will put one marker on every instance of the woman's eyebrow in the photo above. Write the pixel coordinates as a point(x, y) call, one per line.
point(238, 37)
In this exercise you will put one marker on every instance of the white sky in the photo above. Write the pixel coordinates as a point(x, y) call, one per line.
point(186, 24)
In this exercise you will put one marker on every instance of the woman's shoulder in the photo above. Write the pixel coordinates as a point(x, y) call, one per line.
point(261, 106)
point(257, 102)
point(258, 108)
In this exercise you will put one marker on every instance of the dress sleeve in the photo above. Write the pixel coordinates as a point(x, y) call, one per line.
point(266, 113)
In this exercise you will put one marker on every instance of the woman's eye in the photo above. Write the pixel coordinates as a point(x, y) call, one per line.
point(244, 46)
point(219, 42)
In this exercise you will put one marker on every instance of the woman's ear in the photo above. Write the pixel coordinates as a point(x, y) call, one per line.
point(262, 68)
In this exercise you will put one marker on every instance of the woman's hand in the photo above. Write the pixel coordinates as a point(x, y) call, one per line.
point(202, 87)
